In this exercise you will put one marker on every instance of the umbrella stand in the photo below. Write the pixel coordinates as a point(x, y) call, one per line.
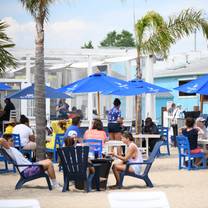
point(98, 99)
point(201, 103)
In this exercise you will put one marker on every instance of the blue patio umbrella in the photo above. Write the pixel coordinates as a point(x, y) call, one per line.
point(199, 86)
point(97, 82)
point(28, 93)
point(136, 87)
point(4, 87)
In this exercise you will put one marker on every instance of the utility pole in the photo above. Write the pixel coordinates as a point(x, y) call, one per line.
point(195, 40)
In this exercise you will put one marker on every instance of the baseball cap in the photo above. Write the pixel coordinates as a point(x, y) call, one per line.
point(200, 119)
point(72, 133)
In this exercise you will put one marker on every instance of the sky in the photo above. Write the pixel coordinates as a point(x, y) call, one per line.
point(73, 22)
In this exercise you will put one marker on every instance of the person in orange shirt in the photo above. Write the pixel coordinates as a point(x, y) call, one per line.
point(97, 131)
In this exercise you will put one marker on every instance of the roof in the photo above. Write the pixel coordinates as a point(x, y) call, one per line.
point(197, 66)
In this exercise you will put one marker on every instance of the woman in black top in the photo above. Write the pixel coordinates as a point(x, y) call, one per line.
point(192, 134)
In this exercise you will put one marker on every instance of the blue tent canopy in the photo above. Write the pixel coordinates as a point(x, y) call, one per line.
point(199, 86)
point(97, 82)
point(28, 93)
point(4, 87)
point(136, 87)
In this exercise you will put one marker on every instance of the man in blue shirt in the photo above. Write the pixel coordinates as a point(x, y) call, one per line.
point(76, 121)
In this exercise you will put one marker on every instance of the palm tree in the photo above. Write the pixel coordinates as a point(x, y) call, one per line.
point(6, 58)
point(39, 9)
point(154, 35)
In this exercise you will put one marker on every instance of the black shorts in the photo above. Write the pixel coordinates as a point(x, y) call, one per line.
point(114, 127)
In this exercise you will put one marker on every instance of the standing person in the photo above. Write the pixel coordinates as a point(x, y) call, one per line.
point(7, 144)
point(174, 122)
point(5, 114)
point(133, 155)
point(27, 138)
point(63, 109)
point(114, 118)
point(151, 128)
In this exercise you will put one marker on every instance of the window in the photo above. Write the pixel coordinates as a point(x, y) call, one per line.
point(182, 82)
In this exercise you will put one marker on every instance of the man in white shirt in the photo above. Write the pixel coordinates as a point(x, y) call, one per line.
point(28, 171)
point(27, 138)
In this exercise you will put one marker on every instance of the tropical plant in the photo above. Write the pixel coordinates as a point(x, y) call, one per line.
point(6, 58)
point(88, 45)
point(114, 39)
point(39, 9)
point(154, 35)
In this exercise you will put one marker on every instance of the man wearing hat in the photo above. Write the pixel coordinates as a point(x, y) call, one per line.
point(202, 130)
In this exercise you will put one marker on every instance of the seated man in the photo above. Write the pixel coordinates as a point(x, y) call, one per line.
point(27, 138)
point(76, 121)
point(202, 130)
point(7, 144)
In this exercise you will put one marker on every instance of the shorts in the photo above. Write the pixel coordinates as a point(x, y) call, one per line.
point(114, 127)
point(196, 151)
point(31, 171)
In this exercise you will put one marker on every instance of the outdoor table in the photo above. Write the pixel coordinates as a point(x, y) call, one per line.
point(146, 137)
point(102, 168)
point(114, 143)
point(203, 142)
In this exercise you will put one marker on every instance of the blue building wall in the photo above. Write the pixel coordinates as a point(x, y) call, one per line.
point(187, 102)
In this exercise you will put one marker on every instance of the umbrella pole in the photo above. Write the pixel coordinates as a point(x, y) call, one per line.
point(98, 98)
point(201, 103)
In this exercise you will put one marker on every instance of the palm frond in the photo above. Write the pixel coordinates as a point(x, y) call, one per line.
point(6, 58)
point(186, 23)
point(38, 8)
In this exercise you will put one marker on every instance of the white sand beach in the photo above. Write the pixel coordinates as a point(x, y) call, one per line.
point(183, 188)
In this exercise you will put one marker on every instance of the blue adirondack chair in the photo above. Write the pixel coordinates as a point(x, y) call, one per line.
point(147, 163)
point(24, 179)
point(17, 144)
point(164, 133)
point(74, 162)
point(59, 141)
point(95, 145)
point(184, 153)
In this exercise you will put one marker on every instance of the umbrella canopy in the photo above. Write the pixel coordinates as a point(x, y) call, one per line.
point(136, 87)
point(199, 86)
point(28, 93)
point(97, 82)
point(4, 87)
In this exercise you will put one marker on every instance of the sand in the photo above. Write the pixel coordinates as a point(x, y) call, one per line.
point(183, 188)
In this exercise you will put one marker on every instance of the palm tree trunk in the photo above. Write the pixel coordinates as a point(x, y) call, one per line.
point(138, 99)
point(40, 112)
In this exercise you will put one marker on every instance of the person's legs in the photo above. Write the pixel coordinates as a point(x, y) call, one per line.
point(117, 136)
point(48, 166)
point(30, 146)
point(117, 168)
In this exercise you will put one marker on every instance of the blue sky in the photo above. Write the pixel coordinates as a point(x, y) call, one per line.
point(73, 22)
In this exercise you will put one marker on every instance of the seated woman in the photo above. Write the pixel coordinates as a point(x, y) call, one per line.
point(133, 155)
point(151, 128)
point(192, 134)
point(7, 144)
point(58, 127)
point(10, 126)
point(97, 131)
